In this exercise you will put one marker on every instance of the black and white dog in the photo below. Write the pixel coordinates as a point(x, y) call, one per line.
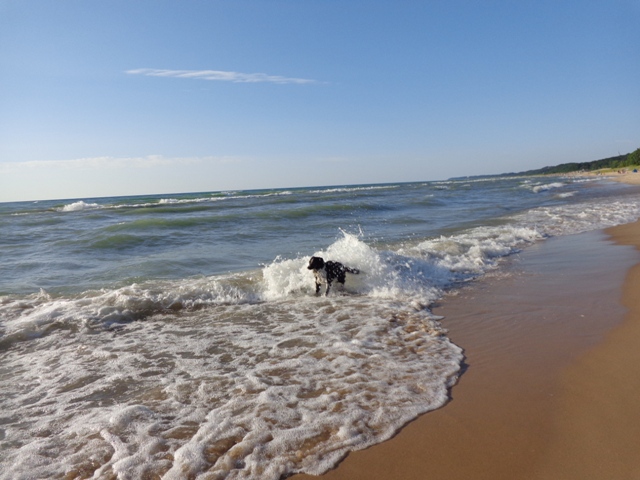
point(327, 272)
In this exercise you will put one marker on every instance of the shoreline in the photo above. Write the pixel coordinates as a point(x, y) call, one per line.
point(545, 389)
point(622, 176)
point(627, 177)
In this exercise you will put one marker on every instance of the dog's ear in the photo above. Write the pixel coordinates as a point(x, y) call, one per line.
point(315, 263)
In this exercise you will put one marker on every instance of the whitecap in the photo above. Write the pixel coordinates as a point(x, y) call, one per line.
point(78, 206)
point(548, 186)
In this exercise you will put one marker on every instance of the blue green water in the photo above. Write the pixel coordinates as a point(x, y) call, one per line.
point(74, 245)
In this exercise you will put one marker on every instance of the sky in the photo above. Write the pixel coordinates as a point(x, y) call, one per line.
point(106, 98)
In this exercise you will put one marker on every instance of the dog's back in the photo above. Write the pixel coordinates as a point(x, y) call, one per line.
point(329, 271)
point(336, 270)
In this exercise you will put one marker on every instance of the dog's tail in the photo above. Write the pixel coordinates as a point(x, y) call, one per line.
point(355, 271)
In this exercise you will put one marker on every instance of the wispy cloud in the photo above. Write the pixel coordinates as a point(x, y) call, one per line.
point(99, 163)
point(221, 76)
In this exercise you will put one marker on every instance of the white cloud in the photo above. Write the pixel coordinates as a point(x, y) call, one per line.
point(113, 176)
point(219, 75)
point(99, 163)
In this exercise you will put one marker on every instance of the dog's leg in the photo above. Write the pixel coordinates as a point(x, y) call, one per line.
point(328, 288)
point(317, 288)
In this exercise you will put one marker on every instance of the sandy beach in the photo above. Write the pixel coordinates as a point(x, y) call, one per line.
point(627, 177)
point(623, 176)
point(550, 385)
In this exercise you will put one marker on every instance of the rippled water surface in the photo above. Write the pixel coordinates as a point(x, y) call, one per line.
point(179, 335)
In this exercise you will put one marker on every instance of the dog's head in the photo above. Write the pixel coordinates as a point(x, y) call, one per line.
point(316, 263)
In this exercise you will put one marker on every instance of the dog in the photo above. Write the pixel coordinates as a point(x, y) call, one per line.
point(327, 272)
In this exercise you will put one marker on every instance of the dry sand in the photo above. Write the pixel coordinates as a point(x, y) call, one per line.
point(624, 176)
point(551, 386)
point(627, 177)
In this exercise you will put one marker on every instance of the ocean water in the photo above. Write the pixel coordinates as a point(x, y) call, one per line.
point(179, 336)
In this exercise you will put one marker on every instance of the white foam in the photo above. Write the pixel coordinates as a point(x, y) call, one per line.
point(354, 189)
point(34, 315)
point(243, 391)
point(566, 194)
point(467, 255)
point(548, 186)
point(176, 201)
point(82, 205)
point(383, 274)
point(78, 206)
point(253, 377)
point(580, 217)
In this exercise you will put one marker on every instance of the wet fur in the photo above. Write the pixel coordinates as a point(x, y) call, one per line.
point(329, 272)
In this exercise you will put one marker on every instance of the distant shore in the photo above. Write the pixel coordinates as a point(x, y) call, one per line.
point(623, 175)
point(551, 379)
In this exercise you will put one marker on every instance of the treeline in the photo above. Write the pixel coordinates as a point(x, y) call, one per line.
point(621, 161)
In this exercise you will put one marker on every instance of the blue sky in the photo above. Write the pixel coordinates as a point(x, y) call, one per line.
point(101, 98)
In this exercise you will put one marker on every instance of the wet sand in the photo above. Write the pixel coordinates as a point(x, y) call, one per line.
point(551, 383)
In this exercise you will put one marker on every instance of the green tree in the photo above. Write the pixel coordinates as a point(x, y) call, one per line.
point(633, 159)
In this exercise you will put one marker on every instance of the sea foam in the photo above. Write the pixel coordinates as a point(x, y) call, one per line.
point(238, 390)
point(78, 206)
point(120, 369)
